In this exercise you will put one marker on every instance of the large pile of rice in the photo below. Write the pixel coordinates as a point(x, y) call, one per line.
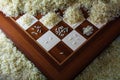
point(100, 10)
point(14, 7)
point(13, 64)
point(104, 11)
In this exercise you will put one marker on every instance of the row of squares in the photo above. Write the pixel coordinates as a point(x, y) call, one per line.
point(61, 30)
point(27, 21)
point(37, 29)
point(73, 40)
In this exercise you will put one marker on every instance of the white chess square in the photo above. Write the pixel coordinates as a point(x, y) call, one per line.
point(97, 25)
point(26, 21)
point(50, 20)
point(74, 26)
point(74, 40)
point(48, 40)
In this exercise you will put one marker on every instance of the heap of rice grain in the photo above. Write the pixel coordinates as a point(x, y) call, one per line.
point(14, 7)
point(103, 12)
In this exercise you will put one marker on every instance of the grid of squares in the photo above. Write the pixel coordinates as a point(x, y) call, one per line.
point(61, 39)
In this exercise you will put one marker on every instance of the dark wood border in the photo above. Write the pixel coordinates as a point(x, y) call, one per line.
point(74, 65)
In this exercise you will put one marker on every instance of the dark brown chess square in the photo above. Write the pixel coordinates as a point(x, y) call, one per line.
point(37, 30)
point(60, 52)
point(85, 12)
point(60, 12)
point(84, 25)
point(61, 29)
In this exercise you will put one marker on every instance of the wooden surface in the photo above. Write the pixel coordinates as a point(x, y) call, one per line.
point(74, 64)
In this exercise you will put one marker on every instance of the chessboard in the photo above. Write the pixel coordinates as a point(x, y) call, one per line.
point(60, 50)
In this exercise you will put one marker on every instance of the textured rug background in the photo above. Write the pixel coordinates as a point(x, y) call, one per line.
point(14, 65)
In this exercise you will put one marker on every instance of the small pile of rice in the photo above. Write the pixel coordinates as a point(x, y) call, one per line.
point(50, 19)
point(73, 15)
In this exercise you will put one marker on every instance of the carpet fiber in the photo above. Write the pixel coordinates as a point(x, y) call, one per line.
point(15, 66)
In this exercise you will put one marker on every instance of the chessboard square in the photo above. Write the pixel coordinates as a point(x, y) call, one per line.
point(61, 29)
point(37, 30)
point(74, 40)
point(86, 24)
point(99, 26)
point(48, 40)
point(26, 21)
point(50, 20)
point(74, 25)
point(61, 51)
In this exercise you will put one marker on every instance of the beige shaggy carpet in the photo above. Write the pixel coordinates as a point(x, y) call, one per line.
point(15, 66)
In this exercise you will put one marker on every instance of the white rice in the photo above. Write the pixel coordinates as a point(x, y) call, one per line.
point(14, 64)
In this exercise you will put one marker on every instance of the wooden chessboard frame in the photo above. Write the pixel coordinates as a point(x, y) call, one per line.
point(71, 67)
